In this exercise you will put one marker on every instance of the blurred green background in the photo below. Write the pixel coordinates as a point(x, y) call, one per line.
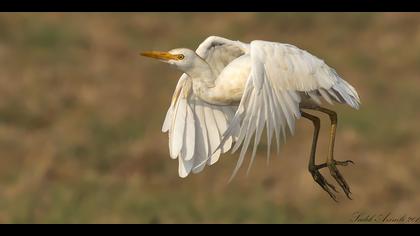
point(81, 113)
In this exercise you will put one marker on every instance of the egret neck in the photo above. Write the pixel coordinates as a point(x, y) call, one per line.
point(203, 79)
point(225, 88)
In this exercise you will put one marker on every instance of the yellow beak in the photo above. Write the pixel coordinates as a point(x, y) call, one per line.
point(160, 55)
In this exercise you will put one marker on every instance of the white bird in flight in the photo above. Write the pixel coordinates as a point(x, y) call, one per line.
point(230, 91)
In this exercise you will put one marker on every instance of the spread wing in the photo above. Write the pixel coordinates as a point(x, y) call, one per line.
point(219, 52)
point(195, 127)
point(280, 73)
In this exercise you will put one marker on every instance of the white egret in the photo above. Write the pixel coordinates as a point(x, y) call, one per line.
point(230, 91)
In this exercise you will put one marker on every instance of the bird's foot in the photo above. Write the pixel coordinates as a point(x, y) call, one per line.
point(337, 175)
point(332, 166)
point(323, 182)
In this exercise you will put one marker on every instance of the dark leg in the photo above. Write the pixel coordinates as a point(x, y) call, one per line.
point(331, 163)
point(314, 169)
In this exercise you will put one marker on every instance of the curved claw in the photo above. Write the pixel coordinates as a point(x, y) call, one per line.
point(331, 186)
point(344, 163)
point(324, 184)
point(339, 178)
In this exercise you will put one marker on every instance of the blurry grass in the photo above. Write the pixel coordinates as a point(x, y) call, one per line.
point(96, 202)
point(81, 113)
point(15, 114)
point(49, 36)
point(378, 128)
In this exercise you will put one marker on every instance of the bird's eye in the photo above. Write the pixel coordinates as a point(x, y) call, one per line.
point(180, 57)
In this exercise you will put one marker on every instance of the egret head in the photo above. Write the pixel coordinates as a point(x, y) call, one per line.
point(182, 58)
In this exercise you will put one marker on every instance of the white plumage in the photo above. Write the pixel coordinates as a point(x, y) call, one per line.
point(230, 91)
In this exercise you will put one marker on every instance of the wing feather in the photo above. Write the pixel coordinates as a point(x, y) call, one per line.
point(178, 125)
point(195, 127)
point(189, 135)
point(280, 74)
point(212, 134)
